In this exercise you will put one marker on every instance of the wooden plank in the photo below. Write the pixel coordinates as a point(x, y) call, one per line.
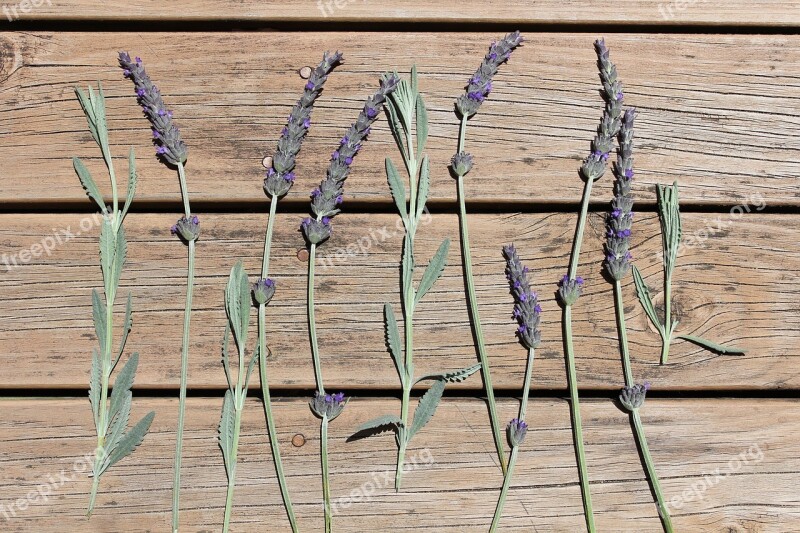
point(739, 286)
point(717, 112)
point(582, 12)
point(722, 466)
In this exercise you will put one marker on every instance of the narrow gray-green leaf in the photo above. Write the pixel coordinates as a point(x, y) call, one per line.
point(233, 304)
point(422, 125)
point(131, 186)
point(397, 188)
point(107, 246)
point(126, 329)
point(455, 376)
point(226, 427)
point(123, 383)
point(397, 129)
point(99, 316)
point(426, 407)
point(120, 254)
point(119, 421)
point(88, 184)
point(250, 368)
point(245, 303)
point(713, 346)
point(434, 270)
point(129, 442)
point(225, 356)
point(424, 186)
point(94, 388)
point(88, 111)
point(393, 340)
point(376, 426)
point(407, 263)
point(644, 298)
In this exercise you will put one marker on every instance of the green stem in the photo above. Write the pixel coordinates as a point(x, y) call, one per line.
point(312, 322)
point(93, 495)
point(184, 191)
point(477, 328)
point(623, 334)
point(523, 407)
point(237, 424)
point(176, 483)
point(401, 455)
point(273, 204)
point(577, 429)
point(273, 433)
point(326, 492)
point(498, 512)
point(666, 335)
point(579, 230)
point(663, 511)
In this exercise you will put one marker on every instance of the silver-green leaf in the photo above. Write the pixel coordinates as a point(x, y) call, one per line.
point(424, 186)
point(434, 270)
point(108, 244)
point(455, 376)
point(99, 316)
point(397, 188)
point(88, 184)
point(393, 340)
point(131, 186)
point(129, 441)
point(426, 407)
point(226, 428)
point(422, 124)
point(126, 329)
point(644, 298)
point(377, 426)
point(94, 388)
point(713, 346)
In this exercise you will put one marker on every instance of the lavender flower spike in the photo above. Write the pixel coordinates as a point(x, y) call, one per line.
point(480, 84)
point(526, 308)
point(326, 199)
point(620, 219)
point(166, 135)
point(280, 176)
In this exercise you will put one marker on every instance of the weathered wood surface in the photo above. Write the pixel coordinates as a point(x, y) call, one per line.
point(739, 287)
point(721, 467)
point(717, 112)
point(583, 12)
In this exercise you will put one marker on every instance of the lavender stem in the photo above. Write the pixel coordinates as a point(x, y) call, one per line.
point(312, 321)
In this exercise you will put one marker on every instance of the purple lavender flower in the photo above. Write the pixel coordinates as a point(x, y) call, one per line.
point(480, 84)
point(620, 219)
point(328, 405)
point(325, 204)
point(263, 291)
point(595, 165)
point(526, 308)
point(280, 176)
point(517, 429)
point(569, 290)
point(167, 137)
point(632, 398)
point(187, 228)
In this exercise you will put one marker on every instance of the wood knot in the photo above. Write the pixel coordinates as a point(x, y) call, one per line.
point(10, 58)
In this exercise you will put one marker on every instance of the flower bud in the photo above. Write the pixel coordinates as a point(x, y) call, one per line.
point(569, 290)
point(316, 231)
point(632, 398)
point(517, 429)
point(263, 291)
point(327, 405)
point(187, 228)
point(461, 163)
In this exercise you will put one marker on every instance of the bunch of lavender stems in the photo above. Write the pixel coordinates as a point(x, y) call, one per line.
point(528, 314)
point(617, 265)
point(408, 119)
point(325, 202)
point(571, 285)
point(111, 415)
point(171, 150)
point(478, 89)
point(237, 310)
point(279, 180)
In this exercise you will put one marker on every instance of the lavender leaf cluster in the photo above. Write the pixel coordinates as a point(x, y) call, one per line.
point(480, 84)
point(620, 219)
point(326, 199)
point(166, 135)
point(527, 310)
point(280, 175)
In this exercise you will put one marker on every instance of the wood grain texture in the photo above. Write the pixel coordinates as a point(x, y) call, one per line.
point(722, 468)
point(583, 12)
point(739, 287)
point(719, 113)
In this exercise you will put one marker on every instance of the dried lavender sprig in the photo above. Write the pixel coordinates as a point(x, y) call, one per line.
point(277, 183)
point(114, 440)
point(172, 150)
point(166, 135)
point(325, 203)
point(571, 285)
point(480, 84)
point(478, 89)
point(280, 175)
